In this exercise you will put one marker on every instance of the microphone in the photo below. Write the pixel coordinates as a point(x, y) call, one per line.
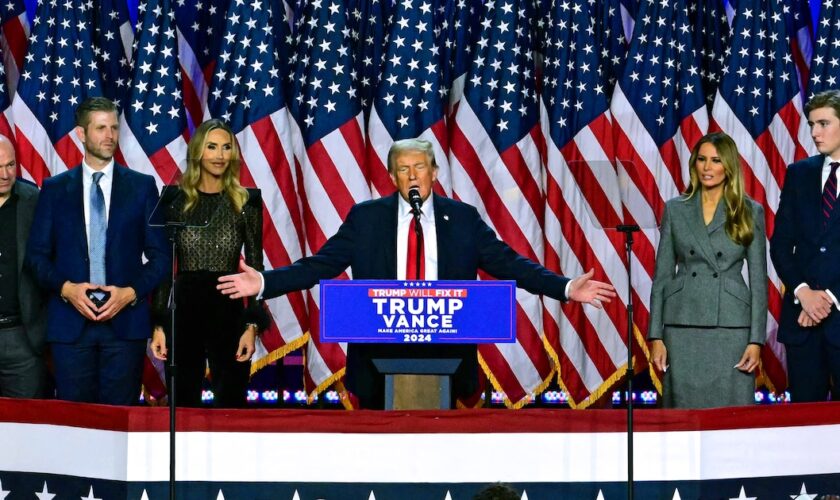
point(415, 201)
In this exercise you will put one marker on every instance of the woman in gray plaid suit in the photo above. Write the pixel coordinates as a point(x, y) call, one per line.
point(707, 325)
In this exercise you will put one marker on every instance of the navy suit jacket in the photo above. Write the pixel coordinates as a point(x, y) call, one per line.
point(367, 243)
point(803, 251)
point(58, 249)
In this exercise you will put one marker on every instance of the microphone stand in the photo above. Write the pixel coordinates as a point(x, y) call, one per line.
point(628, 230)
point(174, 229)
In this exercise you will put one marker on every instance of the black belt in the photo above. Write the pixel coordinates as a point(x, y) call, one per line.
point(10, 321)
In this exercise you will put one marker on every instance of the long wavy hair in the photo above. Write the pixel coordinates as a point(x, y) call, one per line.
point(237, 195)
point(739, 216)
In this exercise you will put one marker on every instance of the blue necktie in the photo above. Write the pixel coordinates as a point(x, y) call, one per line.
point(98, 226)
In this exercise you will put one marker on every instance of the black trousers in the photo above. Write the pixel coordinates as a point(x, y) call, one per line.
point(812, 365)
point(208, 327)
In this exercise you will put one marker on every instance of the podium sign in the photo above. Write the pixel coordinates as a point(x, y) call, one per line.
point(411, 312)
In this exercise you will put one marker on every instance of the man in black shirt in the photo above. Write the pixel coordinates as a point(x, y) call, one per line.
point(22, 314)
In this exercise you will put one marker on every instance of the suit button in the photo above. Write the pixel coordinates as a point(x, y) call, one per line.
point(691, 252)
point(822, 249)
point(715, 275)
point(720, 254)
point(693, 275)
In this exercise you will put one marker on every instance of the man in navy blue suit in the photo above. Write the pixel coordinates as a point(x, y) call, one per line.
point(805, 248)
point(375, 242)
point(86, 248)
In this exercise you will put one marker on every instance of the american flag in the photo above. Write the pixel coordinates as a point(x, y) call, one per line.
point(246, 92)
point(712, 37)
point(200, 28)
point(14, 34)
point(330, 152)
point(659, 114)
point(154, 124)
point(60, 68)
point(799, 26)
point(759, 104)
point(369, 22)
point(112, 43)
point(586, 344)
point(59, 73)
point(825, 64)
point(456, 45)
point(6, 112)
point(410, 98)
point(611, 39)
point(495, 162)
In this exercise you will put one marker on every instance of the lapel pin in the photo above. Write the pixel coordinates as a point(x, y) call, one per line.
point(445, 217)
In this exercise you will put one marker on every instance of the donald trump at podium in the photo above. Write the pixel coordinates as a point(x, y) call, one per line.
point(413, 235)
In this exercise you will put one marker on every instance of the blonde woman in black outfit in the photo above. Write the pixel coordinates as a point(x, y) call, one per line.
point(210, 328)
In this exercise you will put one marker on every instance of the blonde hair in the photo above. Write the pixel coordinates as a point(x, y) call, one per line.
point(406, 145)
point(739, 216)
point(237, 195)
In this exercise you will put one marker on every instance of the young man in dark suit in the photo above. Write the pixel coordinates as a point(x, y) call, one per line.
point(805, 248)
point(22, 314)
point(374, 241)
point(86, 249)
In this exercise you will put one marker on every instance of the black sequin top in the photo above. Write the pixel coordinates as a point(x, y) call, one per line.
point(213, 242)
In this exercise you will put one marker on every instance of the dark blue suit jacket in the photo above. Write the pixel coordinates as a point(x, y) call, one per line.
point(58, 250)
point(367, 243)
point(803, 251)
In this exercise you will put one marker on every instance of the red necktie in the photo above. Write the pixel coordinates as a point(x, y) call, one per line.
point(829, 195)
point(415, 241)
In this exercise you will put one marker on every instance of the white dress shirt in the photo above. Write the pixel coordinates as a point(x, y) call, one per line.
point(427, 222)
point(105, 183)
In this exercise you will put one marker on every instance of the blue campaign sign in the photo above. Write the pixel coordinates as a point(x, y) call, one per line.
point(408, 312)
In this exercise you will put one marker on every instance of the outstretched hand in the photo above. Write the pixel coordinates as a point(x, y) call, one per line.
point(245, 284)
point(588, 291)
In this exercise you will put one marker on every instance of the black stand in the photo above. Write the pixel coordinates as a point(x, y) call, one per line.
point(628, 230)
point(159, 218)
point(174, 228)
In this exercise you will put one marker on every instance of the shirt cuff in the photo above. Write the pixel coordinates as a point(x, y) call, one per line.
point(795, 291)
point(833, 299)
point(262, 286)
point(566, 290)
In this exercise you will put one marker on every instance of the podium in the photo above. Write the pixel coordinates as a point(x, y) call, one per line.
point(417, 383)
point(417, 313)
